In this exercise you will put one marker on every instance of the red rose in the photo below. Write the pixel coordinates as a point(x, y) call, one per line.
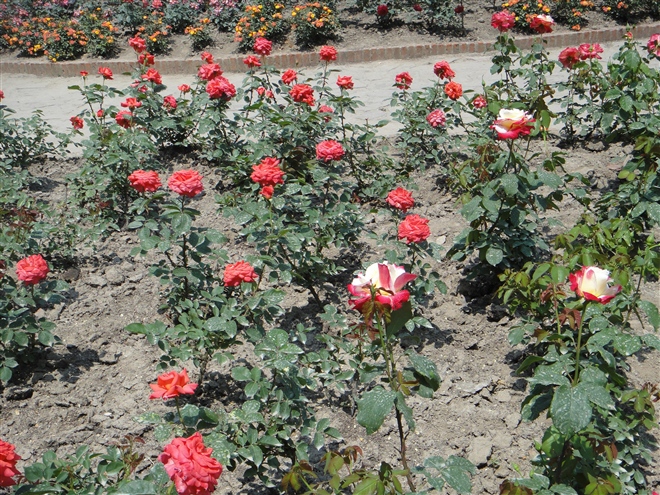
point(329, 150)
point(326, 109)
point(328, 53)
point(267, 172)
point(99, 113)
point(302, 93)
point(172, 385)
point(190, 466)
point(400, 199)
point(144, 180)
point(417, 7)
point(131, 103)
point(209, 71)
point(261, 91)
point(443, 70)
point(153, 76)
point(479, 102)
point(32, 270)
point(105, 72)
point(8, 460)
point(77, 122)
point(459, 9)
point(169, 102)
point(124, 119)
point(267, 191)
point(403, 80)
point(262, 46)
point(382, 10)
point(83, 73)
point(542, 24)
point(453, 90)
point(436, 118)
point(137, 44)
point(588, 51)
point(220, 88)
point(239, 272)
point(251, 61)
point(345, 82)
point(289, 76)
point(569, 57)
point(207, 57)
point(414, 229)
point(186, 183)
point(503, 21)
point(146, 59)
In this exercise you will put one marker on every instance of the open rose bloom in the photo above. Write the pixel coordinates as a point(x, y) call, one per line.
point(512, 123)
point(171, 385)
point(190, 466)
point(386, 280)
point(594, 284)
point(8, 460)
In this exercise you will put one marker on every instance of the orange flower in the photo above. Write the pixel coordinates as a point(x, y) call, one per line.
point(172, 385)
point(453, 90)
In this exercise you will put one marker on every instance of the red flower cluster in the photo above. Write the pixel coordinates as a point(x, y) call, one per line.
point(401, 199)
point(124, 119)
point(414, 229)
point(146, 59)
point(207, 72)
point(345, 82)
point(186, 183)
point(220, 88)
point(105, 72)
point(32, 270)
point(131, 103)
point(503, 21)
point(403, 80)
point(329, 150)
point(289, 76)
point(239, 272)
point(328, 53)
point(262, 46)
point(8, 460)
point(171, 385)
point(206, 57)
point(251, 61)
point(302, 93)
point(190, 466)
point(144, 180)
point(267, 172)
point(570, 56)
point(436, 118)
point(76, 122)
point(443, 70)
point(542, 23)
point(169, 102)
point(479, 102)
point(137, 44)
point(152, 75)
point(453, 90)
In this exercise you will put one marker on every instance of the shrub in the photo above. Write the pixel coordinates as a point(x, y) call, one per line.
point(314, 24)
point(200, 37)
point(261, 21)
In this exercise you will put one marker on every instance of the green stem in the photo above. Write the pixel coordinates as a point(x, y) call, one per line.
point(578, 349)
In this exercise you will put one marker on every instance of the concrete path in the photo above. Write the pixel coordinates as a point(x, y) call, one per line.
point(373, 85)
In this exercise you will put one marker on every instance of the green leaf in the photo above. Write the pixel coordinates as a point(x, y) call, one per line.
point(652, 341)
point(651, 311)
point(653, 209)
point(374, 407)
point(241, 374)
point(509, 184)
point(570, 410)
point(494, 256)
point(563, 490)
point(399, 318)
point(5, 374)
point(553, 374)
point(597, 394)
point(149, 418)
point(626, 344)
point(425, 367)
point(137, 487)
point(46, 338)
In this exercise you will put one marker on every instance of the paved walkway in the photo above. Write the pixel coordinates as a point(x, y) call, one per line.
point(373, 84)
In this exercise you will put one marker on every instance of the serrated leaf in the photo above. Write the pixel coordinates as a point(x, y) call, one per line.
point(426, 368)
point(597, 394)
point(373, 408)
point(570, 410)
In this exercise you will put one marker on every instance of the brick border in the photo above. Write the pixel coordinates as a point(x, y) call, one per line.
point(310, 59)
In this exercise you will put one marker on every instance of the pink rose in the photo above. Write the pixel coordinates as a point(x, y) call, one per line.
point(588, 51)
point(239, 272)
point(190, 466)
point(169, 102)
point(32, 270)
point(186, 183)
point(329, 150)
point(479, 102)
point(262, 46)
point(653, 44)
point(289, 76)
point(144, 180)
point(172, 384)
point(436, 118)
point(328, 53)
point(137, 44)
point(152, 75)
point(503, 21)
point(345, 82)
point(251, 61)
point(207, 72)
point(414, 229)
point(206, 57)
point(512, 123)
point(220, 88)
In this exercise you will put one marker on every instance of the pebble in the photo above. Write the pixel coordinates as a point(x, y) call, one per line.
point(97, 281)
point(19, 393)
point(114, 276)
point(480, 450)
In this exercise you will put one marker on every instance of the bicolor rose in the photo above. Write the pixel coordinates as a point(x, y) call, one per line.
point(387, 282)
point(512, 123)
point(594, 284)
point(541, 23)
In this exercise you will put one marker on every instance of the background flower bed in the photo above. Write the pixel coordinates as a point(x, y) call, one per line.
point(359, 29)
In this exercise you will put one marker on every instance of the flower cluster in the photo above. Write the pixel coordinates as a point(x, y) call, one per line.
point(572, 55)
point(314, 23)
point(265, 20)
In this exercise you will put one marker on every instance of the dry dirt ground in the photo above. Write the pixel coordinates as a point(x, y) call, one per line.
point(89, 389)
